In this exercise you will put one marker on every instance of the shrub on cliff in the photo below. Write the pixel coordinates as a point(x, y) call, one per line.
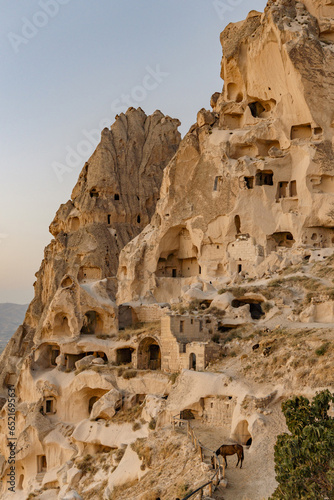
point(304, 459)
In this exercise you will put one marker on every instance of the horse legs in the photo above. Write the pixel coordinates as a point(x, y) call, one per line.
point(238, 461)
point(225, 462)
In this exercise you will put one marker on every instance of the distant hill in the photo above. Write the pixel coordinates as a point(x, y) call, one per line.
point(11, 317)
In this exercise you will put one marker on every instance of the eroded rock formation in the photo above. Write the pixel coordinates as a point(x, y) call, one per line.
point(252, 183)
point(223, 249)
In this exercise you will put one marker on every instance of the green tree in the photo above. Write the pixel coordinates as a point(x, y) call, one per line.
point(304, 459)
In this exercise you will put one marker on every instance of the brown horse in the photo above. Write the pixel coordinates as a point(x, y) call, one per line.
point(230, 449)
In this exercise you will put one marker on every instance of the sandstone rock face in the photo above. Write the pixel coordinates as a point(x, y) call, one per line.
point(111, 203)
point(107, 405)
point(156, 298)
point(73, 313)
point(252, 184)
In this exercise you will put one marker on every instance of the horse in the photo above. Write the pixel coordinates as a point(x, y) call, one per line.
point(229, 449)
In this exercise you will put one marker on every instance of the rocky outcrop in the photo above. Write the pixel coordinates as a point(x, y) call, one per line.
point(251, 186)
point(155, 300)
point(113, 200)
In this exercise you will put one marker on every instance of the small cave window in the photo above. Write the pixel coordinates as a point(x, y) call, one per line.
point(256, 109)
point(174, 273)
point(138, 219)
point(301, 131)
point(124, 356)
point(264, 178)
point(93, 193)
point(192, 361)
point(283, 189)
point(249, 182)
point(109, 219)
point(237, 223)
point(49, 406)
point(293, 188)
point(200, 325)
point(239, 268)
point(116, 197)
point(181, 326)
point(41, 463)
point(199, 270)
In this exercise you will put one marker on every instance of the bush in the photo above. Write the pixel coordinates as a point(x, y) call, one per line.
point(86, 465)
point(152, 425)
point(173, 377)
point(119, 454)
point(129, 374)
point(323, 349)
point(136, 426)
point(304, 458)
point(266, 306)
point(216, 338)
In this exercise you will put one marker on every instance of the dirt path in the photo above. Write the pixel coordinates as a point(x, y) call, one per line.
point(256, 479)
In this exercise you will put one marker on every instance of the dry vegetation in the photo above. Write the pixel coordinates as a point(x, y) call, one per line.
point(302, 356)
point(170, 462)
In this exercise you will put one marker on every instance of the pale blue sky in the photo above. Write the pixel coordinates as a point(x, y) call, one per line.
point(62, 69)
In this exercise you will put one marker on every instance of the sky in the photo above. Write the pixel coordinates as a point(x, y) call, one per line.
point(67, 68)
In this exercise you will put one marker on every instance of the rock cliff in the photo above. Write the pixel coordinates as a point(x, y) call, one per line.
point(188, 283)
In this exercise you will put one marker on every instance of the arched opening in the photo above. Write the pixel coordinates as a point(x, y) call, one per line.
point(187, 414)
point(61, 325)
point(241, 433)
point(74, 223)
point(237, 223)
point(149, 354)
point(178, 255)
point(192, 361)
point(138, 219)
point(116, 196)
point(92, 324)
point(94, 193)
point(281, 239)
point(233, 93)
point(124, 356)
point(109, 219)
point(91, 403)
